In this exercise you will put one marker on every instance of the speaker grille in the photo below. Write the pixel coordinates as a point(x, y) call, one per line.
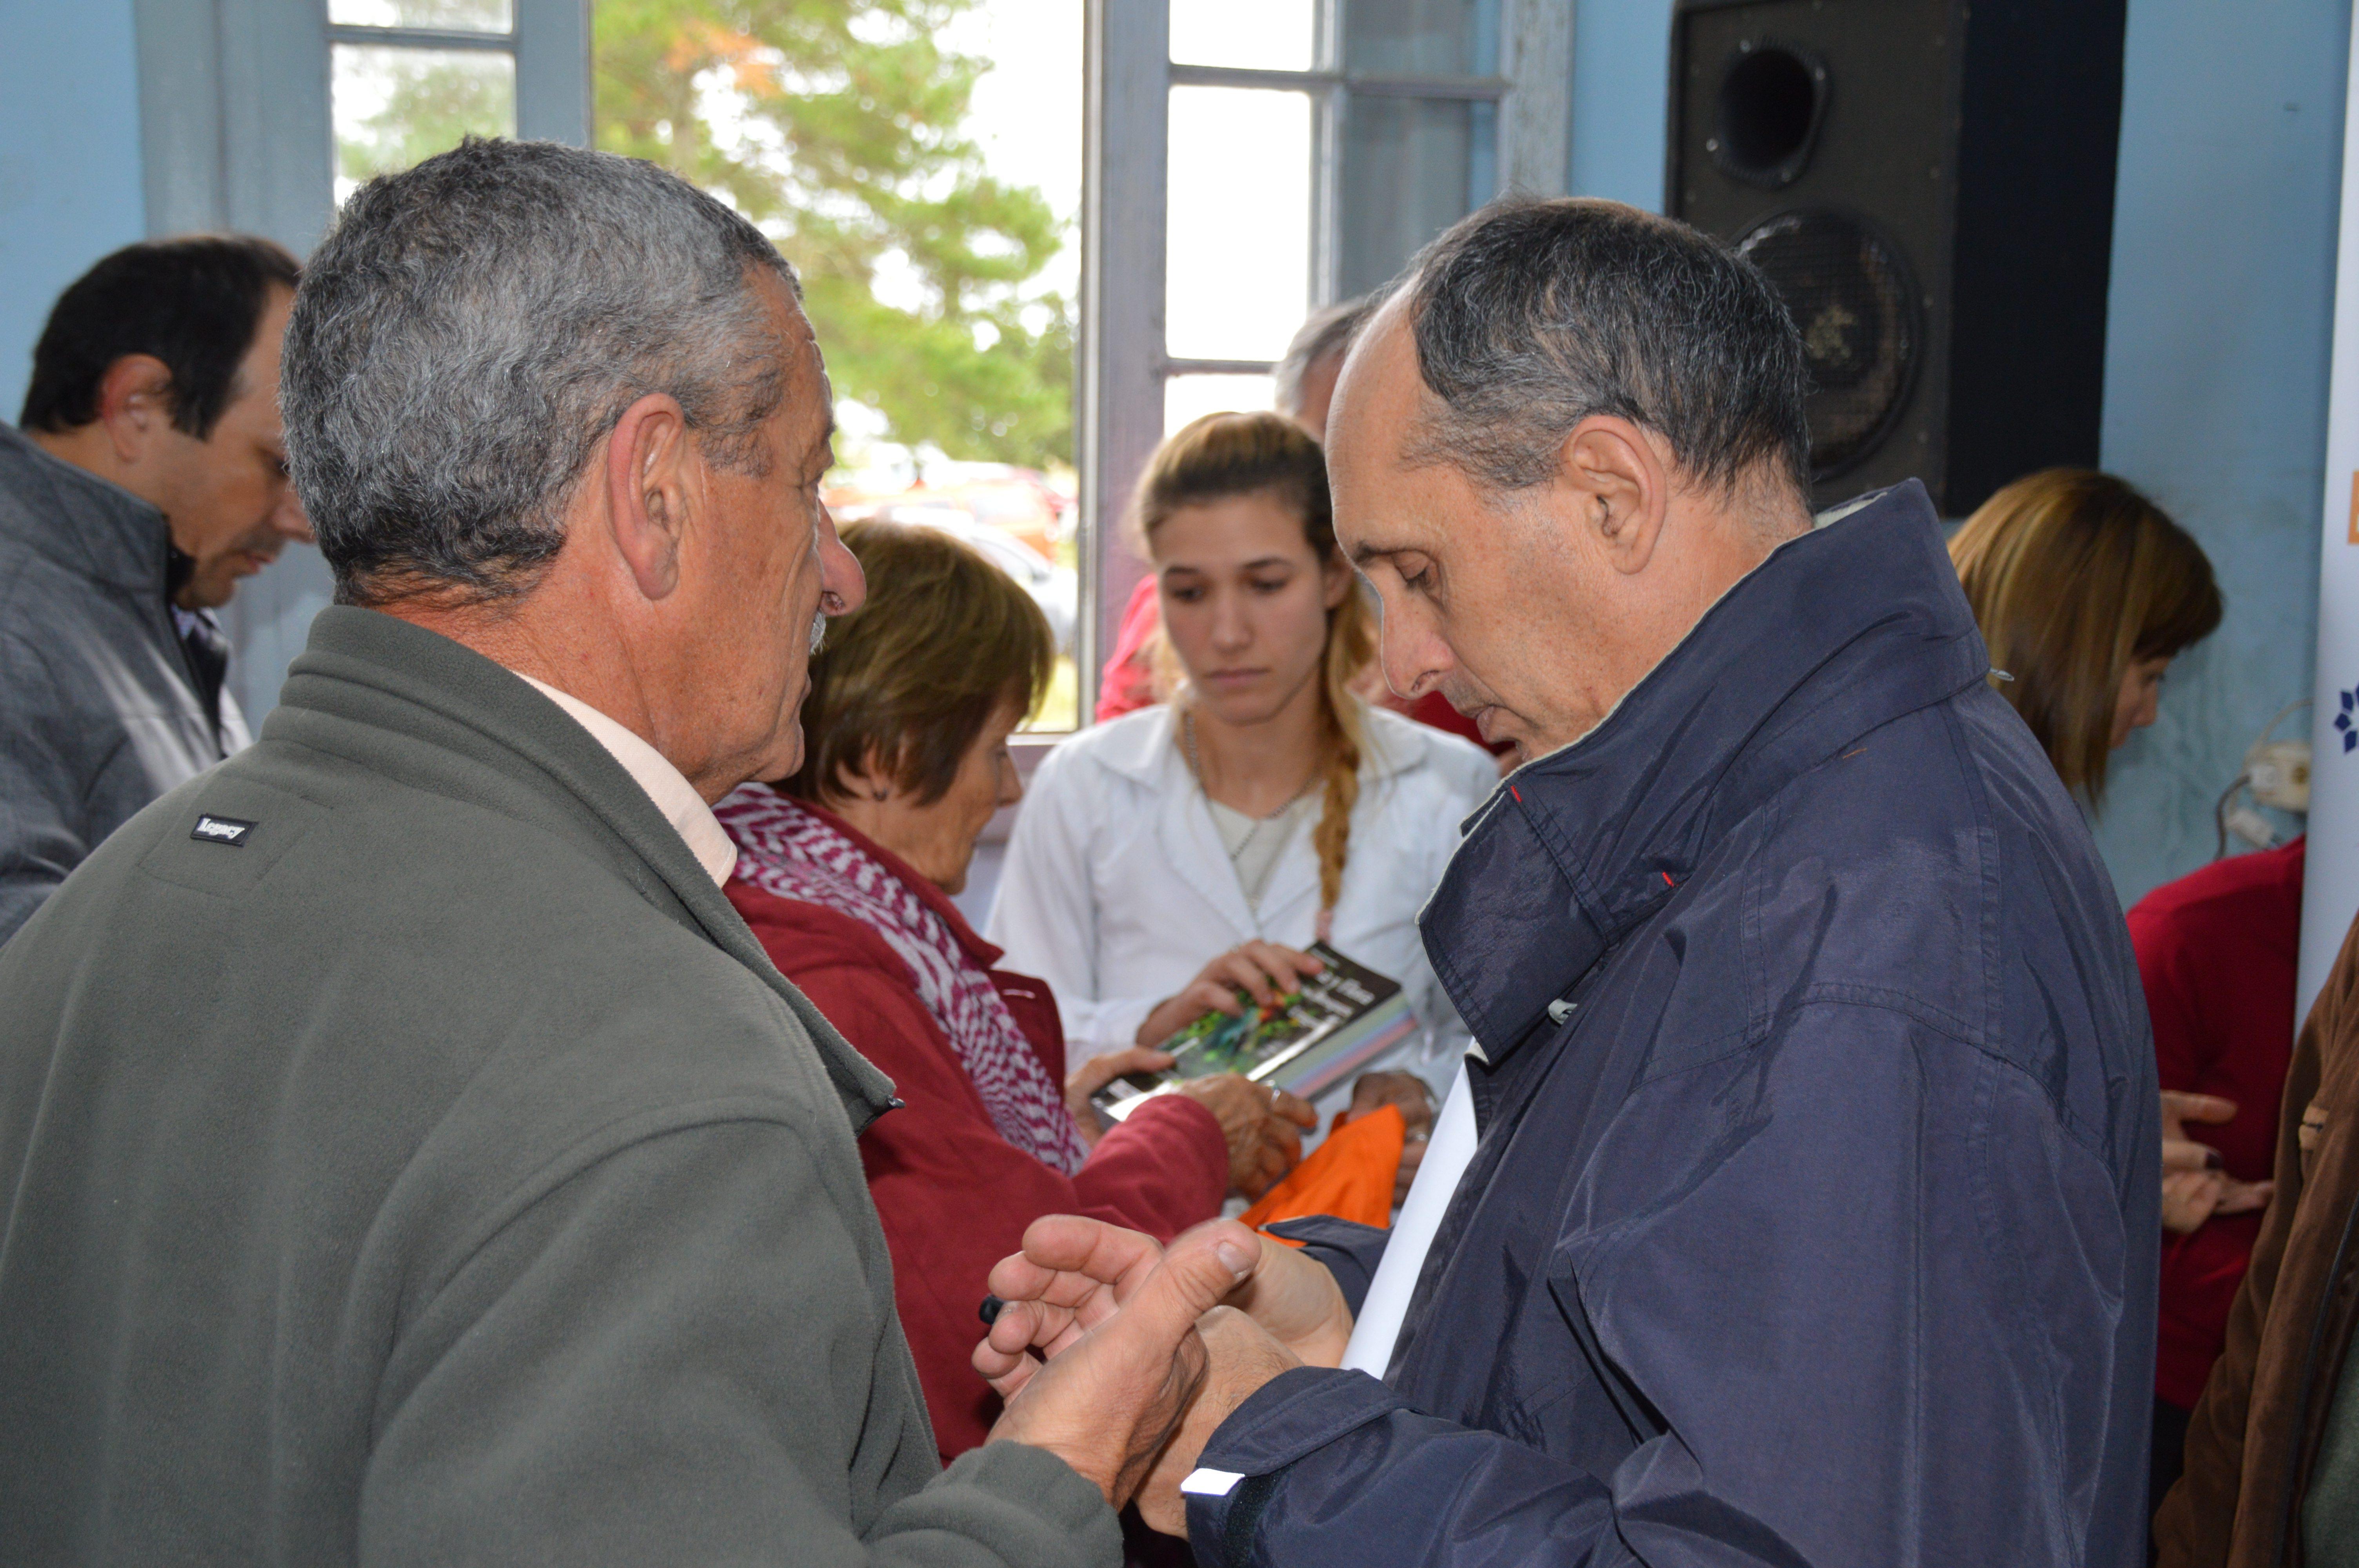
point(1851, 295)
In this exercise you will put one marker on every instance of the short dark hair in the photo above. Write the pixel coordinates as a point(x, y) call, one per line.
point(907, 682)
point(1531, 315)
point(192, 303)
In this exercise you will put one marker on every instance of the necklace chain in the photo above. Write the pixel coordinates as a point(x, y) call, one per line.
point(1196, 766)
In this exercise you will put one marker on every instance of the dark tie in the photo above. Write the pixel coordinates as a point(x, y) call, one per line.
point(200, 635)
point(208, 659)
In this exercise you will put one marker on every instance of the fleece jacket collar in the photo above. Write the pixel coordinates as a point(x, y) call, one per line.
point(391, 676)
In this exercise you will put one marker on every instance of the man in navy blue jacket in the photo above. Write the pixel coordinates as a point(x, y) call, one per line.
point(1811, 1212)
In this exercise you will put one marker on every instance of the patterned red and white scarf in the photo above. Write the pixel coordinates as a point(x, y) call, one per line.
point(787, 850)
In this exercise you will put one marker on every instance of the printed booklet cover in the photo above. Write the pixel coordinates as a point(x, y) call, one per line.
point(1342, 1018)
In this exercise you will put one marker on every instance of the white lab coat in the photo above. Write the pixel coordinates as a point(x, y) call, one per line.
point(1117, 889)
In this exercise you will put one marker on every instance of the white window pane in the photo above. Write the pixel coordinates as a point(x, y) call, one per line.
point(446, 16)
point(395, 106)
point(1237, 282)
point(1261, 35)
point(1187, 398)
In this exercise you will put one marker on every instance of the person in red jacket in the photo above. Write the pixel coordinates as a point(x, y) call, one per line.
point(844, 872)
point(2216, 950)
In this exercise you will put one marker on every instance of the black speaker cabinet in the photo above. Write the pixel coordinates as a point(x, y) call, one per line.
point(1929, 184)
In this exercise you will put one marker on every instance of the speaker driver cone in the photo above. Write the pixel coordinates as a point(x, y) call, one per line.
point(1851, 295)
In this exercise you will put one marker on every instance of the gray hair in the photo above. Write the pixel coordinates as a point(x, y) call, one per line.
point(1326, 335)
point(474, 326)
point(1531, 315)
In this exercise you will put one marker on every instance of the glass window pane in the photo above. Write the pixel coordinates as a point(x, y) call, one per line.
point(1238, 258)
point(446, 16)
point(921, 165)
point(1421, 37)
point(1187, 399)
point(395, 106)
point(1258, 35)
point(1409, 168)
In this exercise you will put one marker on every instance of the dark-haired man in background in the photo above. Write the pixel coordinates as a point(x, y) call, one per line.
point(147, 478)
point(1799, 1204)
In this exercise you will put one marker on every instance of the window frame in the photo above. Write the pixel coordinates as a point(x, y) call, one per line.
point(237, 133)
point(1124, 198)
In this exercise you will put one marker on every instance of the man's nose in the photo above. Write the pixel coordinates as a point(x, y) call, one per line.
point(844, 587)
point(289, 518)
point(1411, 653)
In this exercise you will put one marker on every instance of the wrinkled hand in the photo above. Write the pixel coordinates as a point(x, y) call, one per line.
point(1262, 1124)
point(1077, 1278)
point(1408, 1091)
point(1263, 971)
point(1116, 1387)
point(1097, 1074)
point(1240, 1356)
point(1073, 1271)
point(2194, 1187)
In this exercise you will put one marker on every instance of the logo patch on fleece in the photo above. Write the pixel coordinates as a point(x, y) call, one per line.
point(229, 830)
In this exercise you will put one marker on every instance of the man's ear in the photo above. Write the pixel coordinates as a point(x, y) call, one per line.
point(654, 484)
point(134, 404)
point(1620, 486)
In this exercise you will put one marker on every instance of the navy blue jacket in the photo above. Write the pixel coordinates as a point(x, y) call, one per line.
point(1822, 1229)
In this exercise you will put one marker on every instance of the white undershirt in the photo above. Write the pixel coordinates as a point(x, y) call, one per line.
point(1254, 842)
point(652, 771)
point(1377, 1328)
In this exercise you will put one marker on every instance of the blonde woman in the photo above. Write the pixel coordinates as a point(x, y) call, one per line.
point(2085, 590)
point(1178, 855)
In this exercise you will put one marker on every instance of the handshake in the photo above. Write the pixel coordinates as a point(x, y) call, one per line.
point(1122, 1357)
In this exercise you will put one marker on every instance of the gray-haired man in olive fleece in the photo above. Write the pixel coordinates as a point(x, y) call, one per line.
point(410, 1156)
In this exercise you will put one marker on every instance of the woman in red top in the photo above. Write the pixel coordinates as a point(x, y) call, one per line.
point(844, 872)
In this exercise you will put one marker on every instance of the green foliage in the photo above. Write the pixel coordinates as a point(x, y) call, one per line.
point(433, 98)
point(836, 125)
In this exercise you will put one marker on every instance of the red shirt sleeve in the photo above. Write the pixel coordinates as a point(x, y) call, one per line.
point(954, 1197)
point(2214, 954)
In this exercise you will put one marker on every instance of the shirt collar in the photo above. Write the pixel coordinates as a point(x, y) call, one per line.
point(671, 792)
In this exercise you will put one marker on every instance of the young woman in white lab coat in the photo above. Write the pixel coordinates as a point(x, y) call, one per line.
point(1166, 860)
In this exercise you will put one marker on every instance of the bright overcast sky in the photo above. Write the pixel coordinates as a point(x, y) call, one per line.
point(1240, 173)
point(1028, 109)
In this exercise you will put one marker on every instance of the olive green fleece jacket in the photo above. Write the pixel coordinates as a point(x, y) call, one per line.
point(437, 1171)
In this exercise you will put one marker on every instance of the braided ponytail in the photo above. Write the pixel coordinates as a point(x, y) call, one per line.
point(1351, 643)
point(1244, 454)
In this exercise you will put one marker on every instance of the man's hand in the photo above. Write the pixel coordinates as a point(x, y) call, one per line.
point(2194, 1187)
point(1117, 1388)
point(1097, 1074)
point(1263, 971)
point(1241, 1357)
point(1263, 1125)
point(1408, 1091)
point(1073, 1272)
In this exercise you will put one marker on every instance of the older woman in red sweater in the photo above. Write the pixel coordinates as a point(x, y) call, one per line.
point(844, 872)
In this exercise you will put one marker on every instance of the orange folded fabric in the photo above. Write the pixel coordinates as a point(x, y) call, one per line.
point(1350, 1175)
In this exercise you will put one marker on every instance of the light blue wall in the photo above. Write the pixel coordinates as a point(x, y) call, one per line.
point(1620, 72)
point(70, 169)
point(2216, 351)
point(2217, 342)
